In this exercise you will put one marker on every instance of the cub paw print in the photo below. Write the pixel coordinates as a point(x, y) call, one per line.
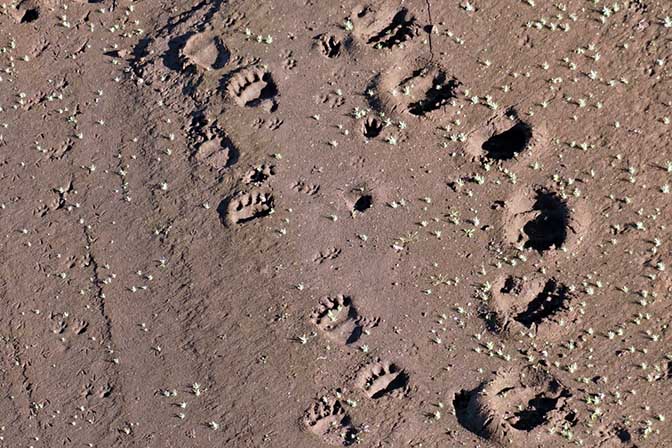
point(382, 379)
point(339, 320)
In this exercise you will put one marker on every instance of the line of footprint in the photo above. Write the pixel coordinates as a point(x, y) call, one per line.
point(338, 320)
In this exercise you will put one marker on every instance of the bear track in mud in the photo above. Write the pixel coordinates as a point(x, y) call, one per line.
point(528, 305)
point(507, 144)
point(328, 420)
point(205, 50)
point(516, 407)
point(338, 319)
point(244, 207)
point(382, 379)
point(252, 86)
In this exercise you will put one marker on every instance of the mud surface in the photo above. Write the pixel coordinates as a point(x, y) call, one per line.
point(310, 223)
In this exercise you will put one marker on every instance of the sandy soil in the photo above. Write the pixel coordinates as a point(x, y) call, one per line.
point(312, 223)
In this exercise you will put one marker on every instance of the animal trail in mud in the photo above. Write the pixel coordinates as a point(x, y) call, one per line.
point(401, 28)
point(372, 127)
point(205, 50)
point(506, 145)
point(382, 379)
point(520, 303)
point(519, 406)
point(327, 419)
point(245, 207)
point(252, 87)
point(340, 321)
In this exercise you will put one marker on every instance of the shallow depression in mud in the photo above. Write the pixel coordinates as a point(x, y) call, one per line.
point(30, 15)
point(372, 127)
point(364, 203)
point(401, 28)
point(438, 95)
point(551, 300)
point(507, 144)
point(549, 228)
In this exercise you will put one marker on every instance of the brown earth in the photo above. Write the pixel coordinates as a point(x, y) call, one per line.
point(311, 223)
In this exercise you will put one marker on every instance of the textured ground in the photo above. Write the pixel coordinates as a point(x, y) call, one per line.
point(314, 223)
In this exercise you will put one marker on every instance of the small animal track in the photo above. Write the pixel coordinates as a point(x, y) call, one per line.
point(302, 187)
point(518, 407)
point(259, 174)
point(329, 45)
point(332, 99)
point(327, 419)
point(327, 254)
point(519, 304)
point(290, 62)
point(274, 124)
point(382, 379)
point(245, 207)
point(205, 50)
point(340, 321)
point(251, 87)
point(372, 127)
